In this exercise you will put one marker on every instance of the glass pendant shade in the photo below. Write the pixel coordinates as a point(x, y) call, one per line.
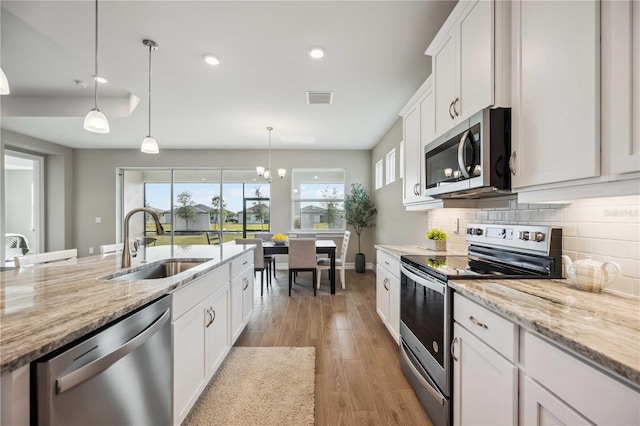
point(260, 171)
point(282, 173)
point(149, 145)
point(267, 174)
point(4, 83)
point(96, 122)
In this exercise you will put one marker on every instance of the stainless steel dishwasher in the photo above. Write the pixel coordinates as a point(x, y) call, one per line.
point(118, 376)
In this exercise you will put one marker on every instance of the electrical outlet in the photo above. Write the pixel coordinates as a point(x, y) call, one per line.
point(455, 225)
point(90, 250)
point(98, 219)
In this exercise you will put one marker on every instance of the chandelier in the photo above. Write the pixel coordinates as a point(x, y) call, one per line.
point(266, 173)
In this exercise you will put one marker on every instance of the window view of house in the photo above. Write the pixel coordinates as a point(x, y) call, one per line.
point(318, 199)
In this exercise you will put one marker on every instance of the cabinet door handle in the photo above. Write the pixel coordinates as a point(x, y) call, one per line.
point(455, 109)
point(212, 316)
point(450, 113)
point(245, 262)
point(512, 161)
point(478, 323)
point(246, 283)
point(453, 344)
point(384, 284)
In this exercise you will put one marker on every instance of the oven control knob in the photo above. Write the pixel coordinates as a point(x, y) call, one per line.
point(537, 236)
point(523, 235)
point(474, 231)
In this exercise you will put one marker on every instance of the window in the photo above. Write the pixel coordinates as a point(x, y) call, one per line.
point(391, 167)
point(379, 174)
point(318, 199)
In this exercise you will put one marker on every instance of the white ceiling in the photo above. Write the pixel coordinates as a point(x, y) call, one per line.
point(374, 62)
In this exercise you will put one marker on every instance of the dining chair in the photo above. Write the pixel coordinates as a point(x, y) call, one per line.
point(258, 259)
point(325, 262)
point(270, 259)
point(213, 237)
point(303, 235)
point(111, 248)
point(302, 257)
point(146, 241)
point(52, 258)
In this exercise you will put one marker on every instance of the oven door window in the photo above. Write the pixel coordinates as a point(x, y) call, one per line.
point(455, 160)
point(422, 311)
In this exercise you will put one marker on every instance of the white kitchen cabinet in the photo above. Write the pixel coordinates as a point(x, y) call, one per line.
point(468, 62)
point(586, 390)
point(388, 292)
point(415, 117)
point(485, 383)
point(542, 408)
point(217, 340)
point(198, 344)
point(14, 397)
point(620, 86)
point(242, 275)
point(556, 91)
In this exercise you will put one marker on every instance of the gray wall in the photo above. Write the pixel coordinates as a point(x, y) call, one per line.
point(394, 224)
point(96, 180)
point(58, 181)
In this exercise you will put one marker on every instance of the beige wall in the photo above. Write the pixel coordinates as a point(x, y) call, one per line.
point(96, 181)
point(58, 181)
point(394, 224)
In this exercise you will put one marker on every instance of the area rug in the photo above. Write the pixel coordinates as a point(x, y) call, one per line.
point(259, 386)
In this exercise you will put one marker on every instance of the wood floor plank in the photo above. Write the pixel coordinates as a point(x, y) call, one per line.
point(357, 386)
point(358, 377)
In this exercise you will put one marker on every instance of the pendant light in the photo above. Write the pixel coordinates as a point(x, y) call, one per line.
point(96, 121)
point(266, 174)
point(149, 144)
point(4, 83)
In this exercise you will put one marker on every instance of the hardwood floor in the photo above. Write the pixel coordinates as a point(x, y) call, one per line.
point(358, 379)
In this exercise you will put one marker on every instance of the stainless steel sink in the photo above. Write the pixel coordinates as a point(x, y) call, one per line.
point(168, 268)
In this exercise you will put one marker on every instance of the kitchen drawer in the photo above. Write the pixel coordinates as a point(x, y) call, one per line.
point(595, 395)
point(496, 331)
point(389, 262)
point(199, 289)
point(241, 263)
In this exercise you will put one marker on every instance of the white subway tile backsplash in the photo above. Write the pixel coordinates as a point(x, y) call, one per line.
point(625, 249)
point(618, 214)
point(577, 214)
point(609, 231)
point(529, 216)
point(624, 286)
point(550, 215)
point(495, 215)
point(582, 245)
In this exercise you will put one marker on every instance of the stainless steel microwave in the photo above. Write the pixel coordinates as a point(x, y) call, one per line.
point(472, 159)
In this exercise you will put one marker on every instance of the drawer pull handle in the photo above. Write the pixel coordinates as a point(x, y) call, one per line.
point(478, 323)
point(384, 283)
point(245, 262)
point(453, 343)
point(386, 263)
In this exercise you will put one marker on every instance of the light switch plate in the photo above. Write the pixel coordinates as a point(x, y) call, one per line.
point(455, 225)
point(98, 219)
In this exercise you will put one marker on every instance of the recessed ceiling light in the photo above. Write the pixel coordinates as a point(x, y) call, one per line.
point(316, 52)
point(211, 59)
point(99, 79)
point(80, 83)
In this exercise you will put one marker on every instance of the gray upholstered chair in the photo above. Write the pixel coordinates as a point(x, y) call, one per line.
point(270, 259)
point(302, 257)
point(258, 259)
point(325, 262)
point(303, 235)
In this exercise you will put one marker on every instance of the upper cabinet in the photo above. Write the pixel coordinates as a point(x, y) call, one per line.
point(469, 56)
point(575, 99)
point(556, 76)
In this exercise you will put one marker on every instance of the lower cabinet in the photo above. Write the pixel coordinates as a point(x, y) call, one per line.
point(485, 384)
point(504, 374)
point(200, 337)
point(541, 407)
point(241, 300)
point(388, 292)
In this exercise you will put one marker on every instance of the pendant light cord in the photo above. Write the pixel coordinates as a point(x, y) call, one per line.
point(95, 78)
point(150, 46)
point(270, 174)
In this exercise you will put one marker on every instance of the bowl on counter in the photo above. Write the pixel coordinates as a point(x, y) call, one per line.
point(280, 240)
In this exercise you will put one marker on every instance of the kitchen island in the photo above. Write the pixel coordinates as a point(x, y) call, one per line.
point(45, 308)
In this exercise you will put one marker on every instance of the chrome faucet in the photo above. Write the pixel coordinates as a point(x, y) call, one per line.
point(126, 254)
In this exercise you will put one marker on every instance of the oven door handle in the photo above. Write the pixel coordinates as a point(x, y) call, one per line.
point(426, 382)
point(424, 280)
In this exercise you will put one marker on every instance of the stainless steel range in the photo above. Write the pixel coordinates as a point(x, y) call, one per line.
point(426, 302)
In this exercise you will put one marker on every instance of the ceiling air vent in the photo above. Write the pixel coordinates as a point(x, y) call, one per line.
point(319, 97)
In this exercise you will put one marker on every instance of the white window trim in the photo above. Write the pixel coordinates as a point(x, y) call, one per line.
point(390, 158)
point(379, 175)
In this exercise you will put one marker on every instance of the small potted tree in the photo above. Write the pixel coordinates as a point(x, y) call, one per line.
point(436, 239)
point(359, 212)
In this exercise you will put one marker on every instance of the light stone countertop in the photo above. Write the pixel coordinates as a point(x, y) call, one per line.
point(602, 327)
point(43, 309)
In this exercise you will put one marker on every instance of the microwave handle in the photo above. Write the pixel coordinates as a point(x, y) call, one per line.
point(463, 168)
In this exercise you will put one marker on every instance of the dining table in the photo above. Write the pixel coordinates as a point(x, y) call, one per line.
point(322, 247)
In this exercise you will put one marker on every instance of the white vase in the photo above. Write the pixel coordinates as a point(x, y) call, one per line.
point(439, 245)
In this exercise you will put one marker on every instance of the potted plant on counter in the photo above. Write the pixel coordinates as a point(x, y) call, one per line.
point(436, 239)
point(359, 212)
